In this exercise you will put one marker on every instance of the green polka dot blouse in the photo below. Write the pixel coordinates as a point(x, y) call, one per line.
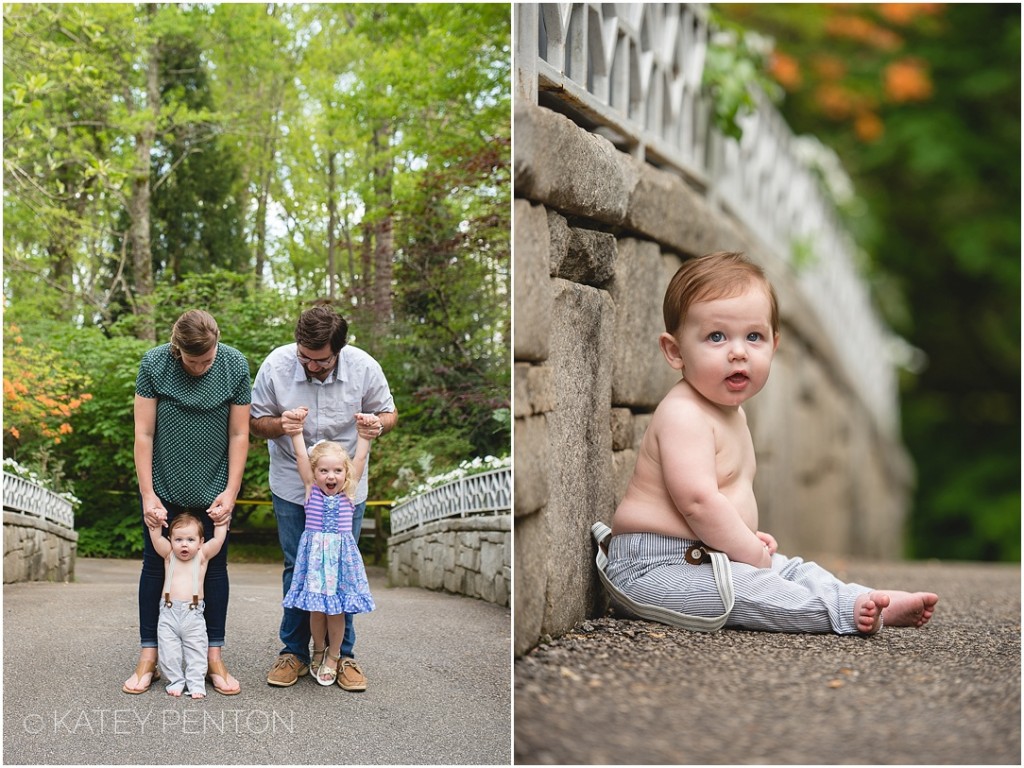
point(190, 446)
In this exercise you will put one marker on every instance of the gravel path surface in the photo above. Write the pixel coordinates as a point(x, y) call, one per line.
point(635, 692)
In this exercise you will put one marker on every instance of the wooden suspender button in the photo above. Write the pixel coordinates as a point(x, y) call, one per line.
point(697, 554)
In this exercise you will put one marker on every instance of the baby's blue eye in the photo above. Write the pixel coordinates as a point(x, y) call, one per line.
point(716, 336)
point(755, 336)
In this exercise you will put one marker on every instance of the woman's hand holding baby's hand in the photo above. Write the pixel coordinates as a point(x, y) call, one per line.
point(153, 513)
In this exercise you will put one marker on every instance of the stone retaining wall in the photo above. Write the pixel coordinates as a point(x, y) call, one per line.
point(597, 236)
point(37, 550)
point(467, 556)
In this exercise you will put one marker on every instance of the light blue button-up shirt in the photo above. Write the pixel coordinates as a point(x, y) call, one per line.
point(356, 385)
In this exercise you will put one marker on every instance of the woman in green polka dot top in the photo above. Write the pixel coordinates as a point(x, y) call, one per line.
point(191, 440)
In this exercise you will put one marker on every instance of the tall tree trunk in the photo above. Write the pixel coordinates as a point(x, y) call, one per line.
point(265, 176)
point(384, 250)
point(332, 226)
point(138, 205)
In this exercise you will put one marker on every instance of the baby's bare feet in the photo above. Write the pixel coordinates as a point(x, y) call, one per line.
point(909, 609)
point(175, 694)
point(867, 611)
point(198, 695)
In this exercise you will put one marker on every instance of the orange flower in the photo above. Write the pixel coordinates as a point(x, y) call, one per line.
point(830, 67)
point(14, 431)
point(863, 31)
point(907, 80)
point(835, 101)
point(868, 127)
point(65, 429)
point(905, 13)
point(786, 70)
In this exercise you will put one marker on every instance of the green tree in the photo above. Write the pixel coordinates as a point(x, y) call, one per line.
point(357, 151)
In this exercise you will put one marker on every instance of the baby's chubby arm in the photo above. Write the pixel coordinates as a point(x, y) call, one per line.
point(214, 545)
point(686, 445)
point(160, 543)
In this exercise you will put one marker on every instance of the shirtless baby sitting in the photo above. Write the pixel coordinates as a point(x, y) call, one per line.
point(693, 481)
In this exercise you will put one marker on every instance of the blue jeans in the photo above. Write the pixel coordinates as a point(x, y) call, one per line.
point(151, 584)
point(294, 632)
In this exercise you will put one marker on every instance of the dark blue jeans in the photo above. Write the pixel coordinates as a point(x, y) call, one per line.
point(291, 522)
point(151, 584)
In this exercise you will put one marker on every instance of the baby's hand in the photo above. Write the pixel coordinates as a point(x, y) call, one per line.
point(769, 542)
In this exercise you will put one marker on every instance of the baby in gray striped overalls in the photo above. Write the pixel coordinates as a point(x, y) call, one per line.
point(181, 628)
point(692, 488)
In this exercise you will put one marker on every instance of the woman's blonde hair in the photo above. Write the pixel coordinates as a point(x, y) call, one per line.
point(194, 333)
point(325, 447)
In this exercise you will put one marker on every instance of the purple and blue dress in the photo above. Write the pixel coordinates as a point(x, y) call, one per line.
point(329, 574)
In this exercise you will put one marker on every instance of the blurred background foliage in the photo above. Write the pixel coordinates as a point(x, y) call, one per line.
point(921, 101)
point(250, 159)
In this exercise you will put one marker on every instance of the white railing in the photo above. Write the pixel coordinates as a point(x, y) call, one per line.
point(488, 493)
point(24, 496)
point(632, 72)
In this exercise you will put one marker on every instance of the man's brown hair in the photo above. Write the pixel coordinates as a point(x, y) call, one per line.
point(321, 325)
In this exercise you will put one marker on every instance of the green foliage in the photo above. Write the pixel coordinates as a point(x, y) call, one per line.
point(735, 75)
point(115, 533)
point(283, 134)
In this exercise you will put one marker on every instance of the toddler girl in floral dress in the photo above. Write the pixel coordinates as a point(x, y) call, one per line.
point(329, 578)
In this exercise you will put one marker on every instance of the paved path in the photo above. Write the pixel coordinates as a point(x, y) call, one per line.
point(438, 667)
point(616, 691)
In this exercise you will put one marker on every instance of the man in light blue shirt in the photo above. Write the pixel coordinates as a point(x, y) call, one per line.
point(335, 382)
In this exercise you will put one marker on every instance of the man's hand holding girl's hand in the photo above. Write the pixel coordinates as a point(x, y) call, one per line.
point(292, 421)
point(369, 425)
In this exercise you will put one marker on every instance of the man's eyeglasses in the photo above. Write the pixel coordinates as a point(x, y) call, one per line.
point(320, 363)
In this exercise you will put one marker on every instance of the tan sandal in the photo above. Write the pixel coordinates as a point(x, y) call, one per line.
point(332, 674)
point(314, 665)
point(144, 667)
point(218, 668)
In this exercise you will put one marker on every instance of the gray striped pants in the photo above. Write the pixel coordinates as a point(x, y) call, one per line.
point(183, 644)
point(791, 596)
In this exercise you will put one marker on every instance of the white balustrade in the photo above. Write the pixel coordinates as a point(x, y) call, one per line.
point(487, 493)
point(28, 498)
point(632, 72)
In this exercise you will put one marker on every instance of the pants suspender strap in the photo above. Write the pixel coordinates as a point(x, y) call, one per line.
point(195, 581)
point(723, 580)
point(167, 580)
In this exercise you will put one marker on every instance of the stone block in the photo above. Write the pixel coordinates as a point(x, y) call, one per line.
point(665, 209)
point(533, 389)
point(532, 466)
point(580, 485)
point(561, 165)
point(622, 428)
point(641, 376)
point(590, 258)
point(532, 283)
point(533, 553)
point(559, 235)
